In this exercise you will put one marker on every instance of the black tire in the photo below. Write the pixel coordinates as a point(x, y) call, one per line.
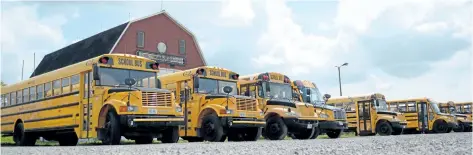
point(21, 138)
point(316, 133)
point(112, 133)
point(193, 139)
point(459, 128)
point(440, 127)
point(69, 139)
point(384, 129)
point(304, 133)
point(336, 133)
point(211, 128)
point(275, 129)
point(144, 140)
point(223, 139)
point(170, 135)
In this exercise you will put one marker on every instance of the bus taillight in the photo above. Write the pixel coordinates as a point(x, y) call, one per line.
point(235, 76)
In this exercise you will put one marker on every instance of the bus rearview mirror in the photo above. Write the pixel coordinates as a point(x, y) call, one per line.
point(95, 72)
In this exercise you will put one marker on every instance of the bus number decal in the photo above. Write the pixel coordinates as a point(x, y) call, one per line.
point(129, 62)
point(218, 73)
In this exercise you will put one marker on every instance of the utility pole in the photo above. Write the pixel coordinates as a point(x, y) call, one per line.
point(339, 77)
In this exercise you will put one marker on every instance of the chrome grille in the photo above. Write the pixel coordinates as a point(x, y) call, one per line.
point(246, 104)
point(156, 99)
point(339, 114)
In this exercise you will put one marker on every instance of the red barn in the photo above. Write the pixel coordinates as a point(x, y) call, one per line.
point(158, 36)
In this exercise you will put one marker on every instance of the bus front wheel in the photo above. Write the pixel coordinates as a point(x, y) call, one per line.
point(459, 128)
point(275, 129)
point(316, 133)
point(334, 133)
point(111, 133)
point(384, 129)
point(211, 129)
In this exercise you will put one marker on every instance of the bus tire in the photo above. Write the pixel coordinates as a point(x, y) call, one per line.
point(22, 138)
point(170, 135)
point(275, 129)
point(440, 126)
point(459, 128)
point(334, 133)
point(211, 128)
point(304, 133)
point(384, 129)
point(112, 135)
point(316, 133)
point(69, 139)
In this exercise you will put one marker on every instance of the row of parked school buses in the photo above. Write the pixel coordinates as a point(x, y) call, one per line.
point(117, 95)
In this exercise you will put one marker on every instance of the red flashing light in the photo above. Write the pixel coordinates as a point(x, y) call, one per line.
point(155, 66)
point(104, 60)
point(265, 77)
point(235, 76)
point(200, 71)
point(299, 83)
point(286, 80)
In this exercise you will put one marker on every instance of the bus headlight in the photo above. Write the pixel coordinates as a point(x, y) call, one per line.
point(178, 109)
point(223, 111)
point(323, 116)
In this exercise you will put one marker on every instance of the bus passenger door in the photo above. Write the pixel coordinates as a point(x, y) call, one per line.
point(86, 105)
point(422, 116)
point(364, 117)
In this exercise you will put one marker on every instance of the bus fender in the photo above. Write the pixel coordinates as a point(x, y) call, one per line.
point(208, 110)
point(103, 114)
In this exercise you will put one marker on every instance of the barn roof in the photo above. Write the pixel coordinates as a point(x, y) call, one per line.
point(93, 46)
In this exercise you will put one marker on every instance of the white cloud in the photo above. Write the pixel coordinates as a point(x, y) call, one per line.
point(283, 43)
point(237, 13)
point(432, 27)
point(445, 82)
point(25, 33)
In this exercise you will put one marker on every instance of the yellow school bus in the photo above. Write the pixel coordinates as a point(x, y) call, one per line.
point(369, 115)
point(464, 108)
point(463, 120)
point(283, 115)
point(423, 115)
point(332, 120)
point(105, 97)
point(214, 109)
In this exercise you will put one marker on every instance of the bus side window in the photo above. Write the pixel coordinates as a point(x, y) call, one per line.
point(48, 90)
point(26, 95)
point(75, 83)
point(19, 97)
point(40, 91)
point(66, 88)
point(3, 100)
point(411, 107)
point(56, 87)
point(13, 98)
point(32, 93)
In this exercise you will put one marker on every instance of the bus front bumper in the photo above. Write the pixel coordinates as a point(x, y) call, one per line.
point(333, 125)
point(137, 121)
point(242, 122)
point(296, 123)
point(399, 125)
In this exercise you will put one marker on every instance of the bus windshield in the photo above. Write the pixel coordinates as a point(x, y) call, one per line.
point(279, 91)
point(116, 77)
point(381, 105)
point(315, 96)
point(212, 86)
point(435, 107)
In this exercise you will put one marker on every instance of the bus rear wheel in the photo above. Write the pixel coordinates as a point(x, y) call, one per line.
point(275, 129)
point(212, 129)
point(111, 132)
point(334, 133)
point(384, 129)
point(22, 138)
point(170, 135)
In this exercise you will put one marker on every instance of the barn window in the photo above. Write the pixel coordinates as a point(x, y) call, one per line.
point(140, 39)
point(182, 46)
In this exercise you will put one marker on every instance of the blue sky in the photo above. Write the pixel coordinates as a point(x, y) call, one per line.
point(399, 48)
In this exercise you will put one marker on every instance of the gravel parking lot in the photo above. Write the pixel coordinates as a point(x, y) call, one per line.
point(451, 143)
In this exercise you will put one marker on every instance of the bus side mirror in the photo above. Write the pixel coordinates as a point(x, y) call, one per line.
point(196, 81)
point(96, 71)
point(327, 96)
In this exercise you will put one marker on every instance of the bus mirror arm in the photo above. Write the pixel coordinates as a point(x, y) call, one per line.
point(96, 71)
